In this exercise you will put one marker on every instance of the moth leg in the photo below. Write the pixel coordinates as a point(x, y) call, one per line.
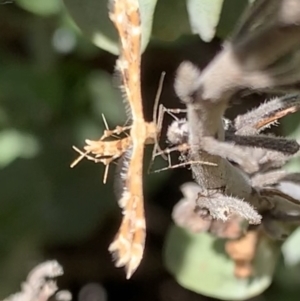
point(159, 123)
point(170, 166)
point(182, 148)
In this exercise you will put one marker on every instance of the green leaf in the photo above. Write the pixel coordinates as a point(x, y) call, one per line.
point(204, 17)
point(291, 127)
point(14, 144)
point(231, 12)
point(91, 16)
point(288, 272)
point(291, 249)
point(170, 20)
point(44, 8)
point(102, 91)
point(79, 201)
point(199, 263)
point(22, 252)
point(214, 17)
point(147, 8)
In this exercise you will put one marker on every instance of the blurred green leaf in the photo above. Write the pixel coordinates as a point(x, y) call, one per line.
point(291, 127)
point(14, 144)
point(87, 128)
point(154, 180)
point(38, 92)
point(21, 199)
point(199, 263)
point(52, 201)
point(231, 12)
point(170, 20)
point(291, 249)
point(78, 200)
point(288, 272)
point(287, 277)
point(44, 7)
point(147, 8)
point(16, 263)
point(91, 16)
point(204, 17)
point(103, 92)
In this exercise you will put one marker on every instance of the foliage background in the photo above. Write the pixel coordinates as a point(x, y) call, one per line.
point(54, 85)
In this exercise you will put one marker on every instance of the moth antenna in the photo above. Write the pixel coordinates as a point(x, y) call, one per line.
point(157, 96)
point(104, 121)
point(155, 109)
point(155, 118)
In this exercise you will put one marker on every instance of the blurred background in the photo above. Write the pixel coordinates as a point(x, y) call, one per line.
point(54, 86)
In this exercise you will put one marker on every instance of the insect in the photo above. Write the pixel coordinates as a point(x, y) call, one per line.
point(128, 245)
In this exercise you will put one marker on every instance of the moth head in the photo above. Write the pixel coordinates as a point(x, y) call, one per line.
point(178, 132)
point(227, 124)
